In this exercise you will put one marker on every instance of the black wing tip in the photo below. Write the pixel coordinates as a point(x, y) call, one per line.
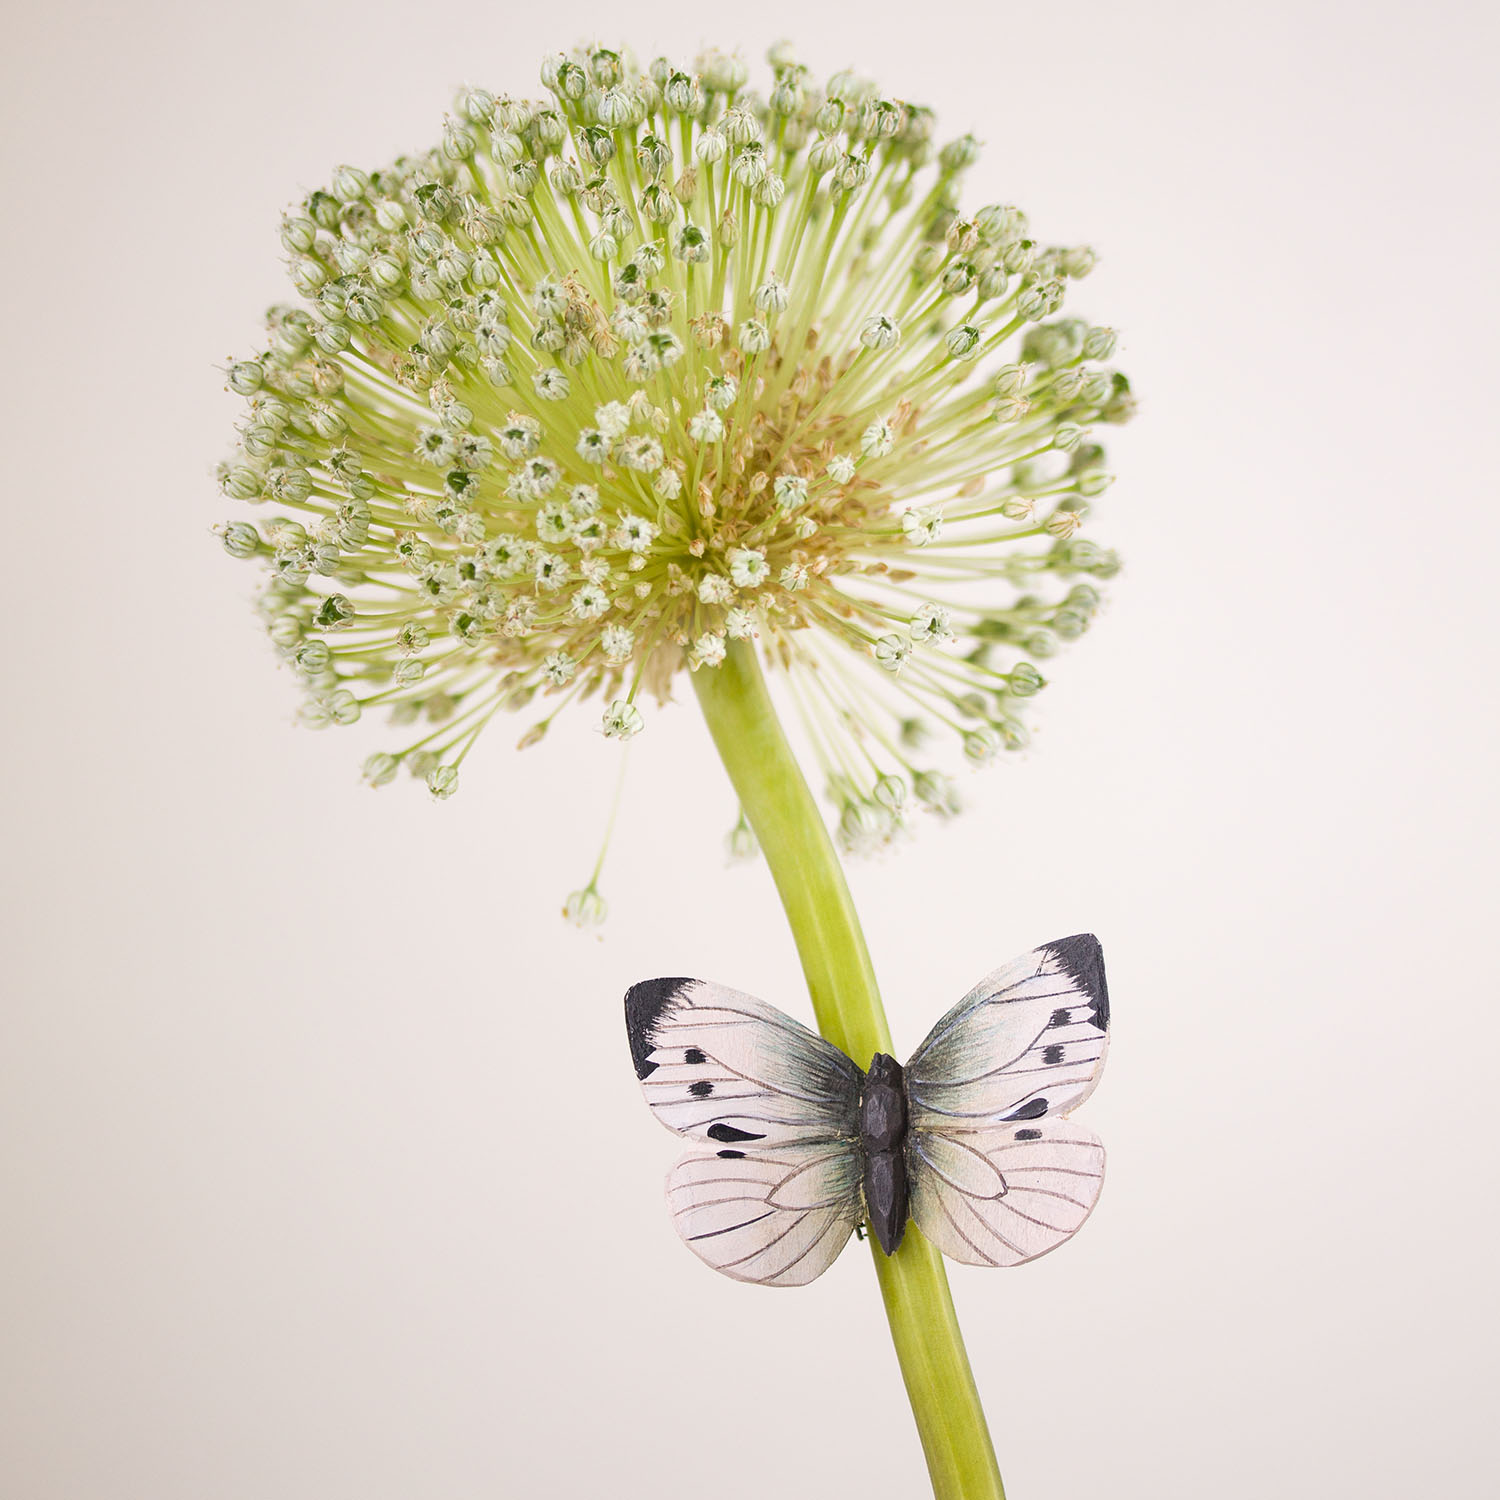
point(644, 1003)
point(1082, 959)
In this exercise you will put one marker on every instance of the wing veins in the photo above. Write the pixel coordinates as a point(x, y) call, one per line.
point(1030, 1219)
point(1031, 1046)
point(758, 1083)
point(952, 1138)
point(1054, 1140)
point(821, 1236)
point(959, 1230)
point(1048, 1193)
point(771, 1244)
point(1063, 1171)
point(713, 1233)
point(1006, 996)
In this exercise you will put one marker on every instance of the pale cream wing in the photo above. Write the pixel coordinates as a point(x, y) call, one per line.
point(1003, 1195)
point(722, 1066)
point(778, 1217)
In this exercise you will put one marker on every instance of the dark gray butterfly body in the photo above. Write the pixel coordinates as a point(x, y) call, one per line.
point(882, 1141)
point(970, 1139)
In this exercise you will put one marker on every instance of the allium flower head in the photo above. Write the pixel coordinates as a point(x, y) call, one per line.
point(612, 378)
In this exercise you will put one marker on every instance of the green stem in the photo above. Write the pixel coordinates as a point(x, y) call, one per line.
point(841, 981)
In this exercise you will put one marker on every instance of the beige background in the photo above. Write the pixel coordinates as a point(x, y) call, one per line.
point(322, 1170)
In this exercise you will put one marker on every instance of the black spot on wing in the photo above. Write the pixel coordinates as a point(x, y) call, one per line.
point(1033, 1109)
point(731, 1155)
point(1051, 1055)
point(1082, 959)
point(731, 1133)
point(1028, 1135)
point(694, 1057)
point(701, 1089)
point(644, 1004)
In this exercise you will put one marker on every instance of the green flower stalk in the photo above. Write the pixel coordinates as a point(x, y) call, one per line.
point(658, 373)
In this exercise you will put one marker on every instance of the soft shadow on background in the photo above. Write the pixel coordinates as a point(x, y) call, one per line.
point(323, 1172)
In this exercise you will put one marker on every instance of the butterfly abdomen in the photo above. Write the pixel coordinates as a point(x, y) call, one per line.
point(882, 1138)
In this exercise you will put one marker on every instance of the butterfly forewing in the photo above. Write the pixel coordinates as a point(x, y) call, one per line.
point(1027, 1041)
point(721, 1066)
point(1000, 1196)
point(778, 1217)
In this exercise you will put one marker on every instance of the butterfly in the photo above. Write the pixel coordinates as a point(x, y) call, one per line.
point(971, 1139)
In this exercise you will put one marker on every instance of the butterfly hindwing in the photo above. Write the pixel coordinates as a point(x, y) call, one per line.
point(1028, 1040)
point(721, 1066)
point(778, 1217)
point(1000, 1196)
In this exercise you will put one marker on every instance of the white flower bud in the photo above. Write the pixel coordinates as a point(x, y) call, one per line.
point(617, 643)
point(1099, 343)
point(963, 341)
point(959, 154)
point(240, 539)
point(298, 235)
point(240, 482)
point(878, 439)
point(246, 376)
point(771, 296)
point(923, 524)
point(825, 154)
point(936, 793)
point(769, 191)
point(1010, 380)
point(1077, 262)
point(622, 720)
point(958, 277)
point(740, 843)
point(982, 745)
point(754, 336)
point(706, 426)
point(335, 613)
point(551, 384)
point(708, 651)
point(929, 625)
point(442, 782)
point(691, 244)
point(747, 567)
point(790, 491)
point(380, 769)
point(1024, 680)
point(615, 108)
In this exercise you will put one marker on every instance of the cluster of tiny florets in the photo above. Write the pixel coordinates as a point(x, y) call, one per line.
point(608, 381)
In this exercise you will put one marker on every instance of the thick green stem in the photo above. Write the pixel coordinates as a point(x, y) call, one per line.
point(845, 999)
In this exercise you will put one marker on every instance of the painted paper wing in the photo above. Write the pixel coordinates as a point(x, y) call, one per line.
point(778, 1198)
point(998, 1173)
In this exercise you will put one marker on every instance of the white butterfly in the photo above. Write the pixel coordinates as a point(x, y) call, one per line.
point(971, 1137)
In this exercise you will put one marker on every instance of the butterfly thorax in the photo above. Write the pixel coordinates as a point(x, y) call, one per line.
point(882, 1139)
